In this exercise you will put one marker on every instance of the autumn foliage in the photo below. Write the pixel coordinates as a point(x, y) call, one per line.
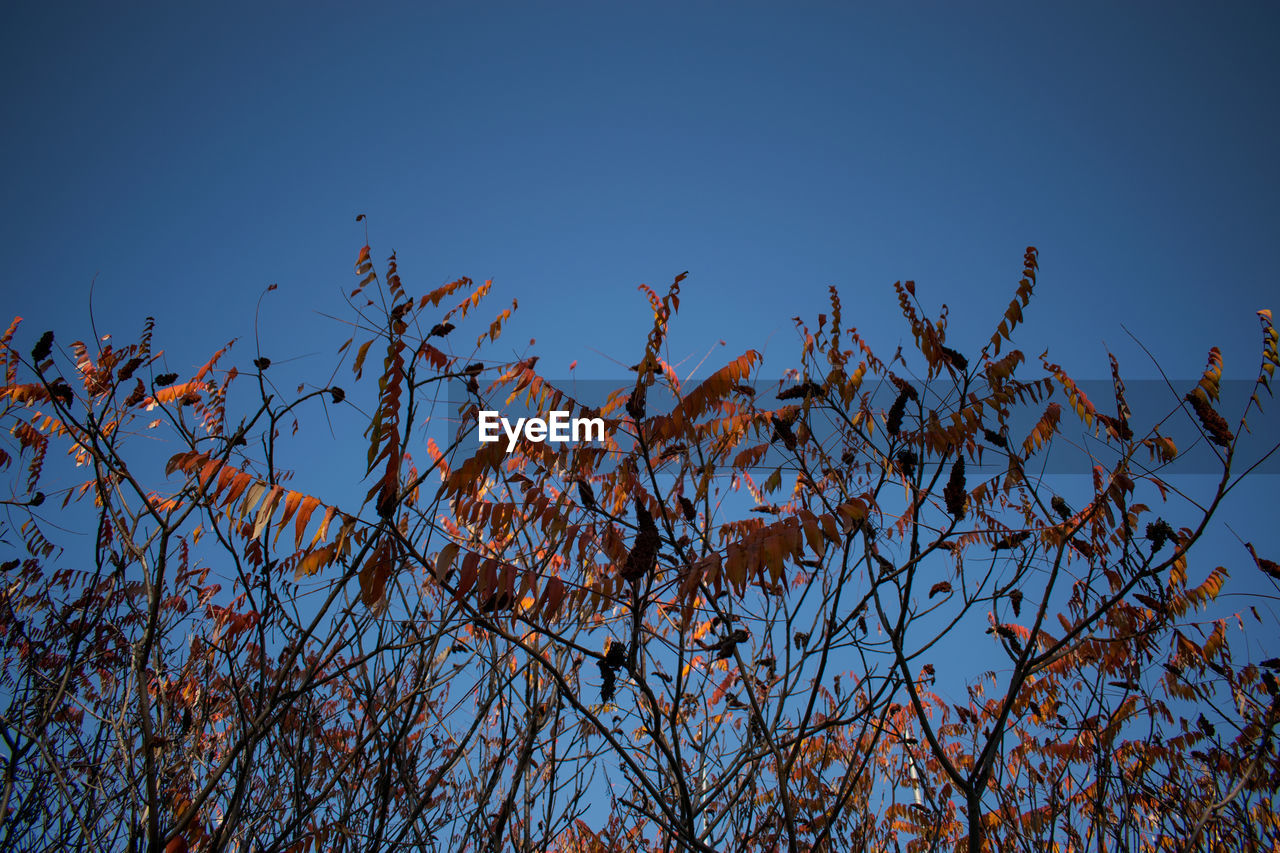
point(841, 612)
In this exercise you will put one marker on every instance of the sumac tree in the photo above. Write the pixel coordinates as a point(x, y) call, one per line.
point(848, 611)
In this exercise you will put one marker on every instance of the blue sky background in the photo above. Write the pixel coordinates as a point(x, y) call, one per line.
point(188, 157)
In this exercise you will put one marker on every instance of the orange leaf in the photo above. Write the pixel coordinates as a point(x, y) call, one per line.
point(437, 359)
point(552, 597)
point(373, 577)
point(323, 530)
point(263, 519)
point(444, 560)
point(180, 461)
point(238, 485)
point(358, 367)
point(308, 506)
point(467, 577)
point(813, 532)
point(291, 501)
point(314, 561)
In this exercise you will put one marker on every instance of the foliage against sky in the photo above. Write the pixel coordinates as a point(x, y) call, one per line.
point(768, 677)
point(183, 160)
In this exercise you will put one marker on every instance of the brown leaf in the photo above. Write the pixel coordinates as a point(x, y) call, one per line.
point(43, 348)
point(643, 556)
point(954, 494)
point(687, 507)
point(894, 422)
point(1213, 423)
point(1011, 541)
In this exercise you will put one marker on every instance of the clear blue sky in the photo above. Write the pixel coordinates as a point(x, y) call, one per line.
point(189, 156)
